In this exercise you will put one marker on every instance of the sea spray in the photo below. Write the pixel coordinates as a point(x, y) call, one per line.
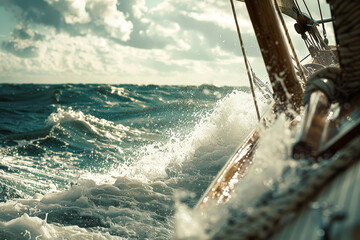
point(271, 171)
point(217, 133)
point(104, 162)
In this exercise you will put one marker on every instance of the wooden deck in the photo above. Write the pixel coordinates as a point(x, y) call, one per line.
point(341, 196)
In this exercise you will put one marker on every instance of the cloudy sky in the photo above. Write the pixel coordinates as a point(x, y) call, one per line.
point(125, 41)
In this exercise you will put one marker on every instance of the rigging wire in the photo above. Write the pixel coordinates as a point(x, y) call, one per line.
point(290, 43)
point(314, 38)
point(298, 7)
point(245, 59)
point(308, 10)
point(305, 57)
point(322, 22)
point(260, 85)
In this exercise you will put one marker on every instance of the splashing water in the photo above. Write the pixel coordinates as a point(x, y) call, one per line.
point(105, 162)
point(270, 166)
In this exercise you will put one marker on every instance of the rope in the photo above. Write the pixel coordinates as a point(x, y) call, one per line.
point(347, 32)
point(273, 208)
point(312, 38)
point(290, 43)
point(245, 59)
point(325, 80)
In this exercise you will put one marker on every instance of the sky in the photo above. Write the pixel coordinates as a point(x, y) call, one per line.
point(166, 42)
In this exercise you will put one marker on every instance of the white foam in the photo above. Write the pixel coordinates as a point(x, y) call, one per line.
point(135, 200)
point(222, 130)
point(271, 157)
point(94, 125)
point(26, 227)
point(129, 208)
point(267, 167)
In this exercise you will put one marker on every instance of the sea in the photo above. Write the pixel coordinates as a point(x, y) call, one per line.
point(113, 161)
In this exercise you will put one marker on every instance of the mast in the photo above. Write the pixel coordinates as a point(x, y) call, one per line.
point(286, 87)
point(280, 68)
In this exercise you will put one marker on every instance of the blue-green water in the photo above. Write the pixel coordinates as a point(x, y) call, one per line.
point(105, 162)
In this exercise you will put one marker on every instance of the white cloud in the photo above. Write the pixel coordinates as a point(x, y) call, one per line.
point(105, 13)
point(139, 8)
point(123, 40)
point(73, 11)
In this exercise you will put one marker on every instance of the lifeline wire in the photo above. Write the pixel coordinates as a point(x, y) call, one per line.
point(245, 59)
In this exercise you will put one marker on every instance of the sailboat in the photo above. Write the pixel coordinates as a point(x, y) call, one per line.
point(324, 202)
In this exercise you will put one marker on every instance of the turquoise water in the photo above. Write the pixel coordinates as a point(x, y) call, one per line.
point(106, 162)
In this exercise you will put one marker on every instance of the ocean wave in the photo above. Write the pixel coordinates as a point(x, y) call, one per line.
point(26, 227)
point(28, 93)
point(127, 208)
point(101, 161)
point(88, 124)
point(205, 147)
point(269, 166)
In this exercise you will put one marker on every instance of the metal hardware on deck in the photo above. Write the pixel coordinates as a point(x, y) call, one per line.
point(312, 126)
point(317, 45)
point(325, 20)
point(341, 130)
point(320, 135)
